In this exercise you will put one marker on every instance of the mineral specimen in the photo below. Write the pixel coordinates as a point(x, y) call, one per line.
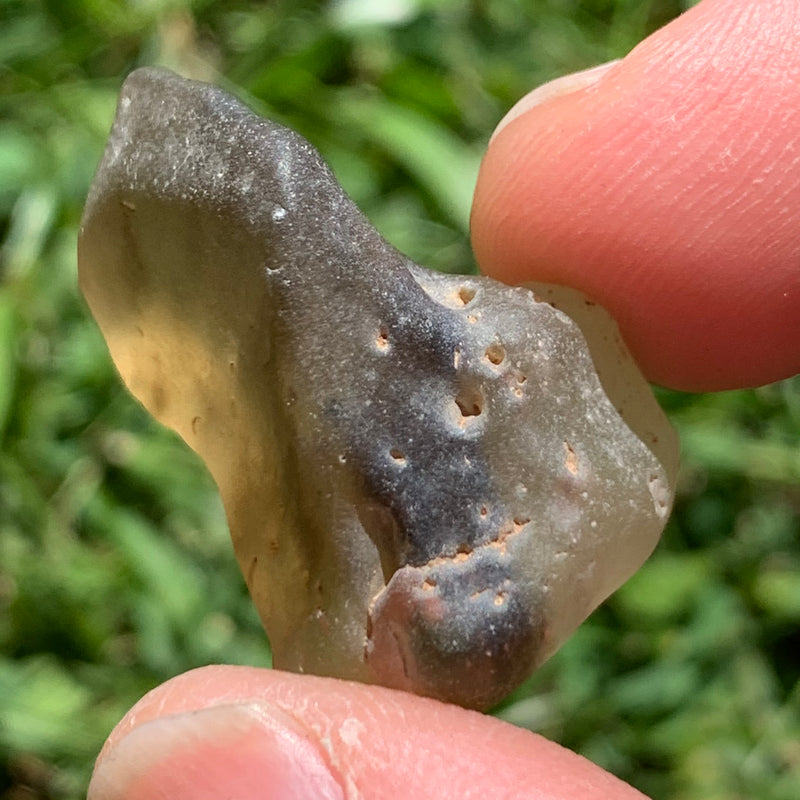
point(427, 484)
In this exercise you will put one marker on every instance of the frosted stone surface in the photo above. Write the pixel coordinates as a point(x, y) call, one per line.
point(427, 484)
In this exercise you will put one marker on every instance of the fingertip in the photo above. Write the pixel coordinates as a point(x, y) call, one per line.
point(249, 750)
point(566, 84)
point(668, 191)
point(372, 741)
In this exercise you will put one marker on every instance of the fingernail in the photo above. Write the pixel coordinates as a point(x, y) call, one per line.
point(563, 85)
point(247, 751)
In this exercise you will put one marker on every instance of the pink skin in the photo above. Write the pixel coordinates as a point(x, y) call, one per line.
point(270, 734)
point(667, 187)
point(669, 191)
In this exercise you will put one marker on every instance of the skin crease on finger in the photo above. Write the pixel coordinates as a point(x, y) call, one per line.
point(379, 743)
point(669, 192)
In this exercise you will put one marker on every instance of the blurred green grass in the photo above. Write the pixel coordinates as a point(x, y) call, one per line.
point(115, 568)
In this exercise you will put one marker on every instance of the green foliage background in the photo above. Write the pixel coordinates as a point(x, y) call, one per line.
point(115, 568)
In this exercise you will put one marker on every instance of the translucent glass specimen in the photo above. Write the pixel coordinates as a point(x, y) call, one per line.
point(427, 484)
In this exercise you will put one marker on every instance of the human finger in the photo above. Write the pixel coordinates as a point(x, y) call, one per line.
point(249, 733)
point(667, 188)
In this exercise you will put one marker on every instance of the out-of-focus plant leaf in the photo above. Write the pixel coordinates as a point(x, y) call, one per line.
point(777, 590)
point(37, 698)
point(664, 588)
point(434, 157)
point(30, 223)
point(8, 366)
point(732, 451)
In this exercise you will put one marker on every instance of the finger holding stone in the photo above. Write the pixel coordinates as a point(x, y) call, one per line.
point(248, 733)
point(666, 187)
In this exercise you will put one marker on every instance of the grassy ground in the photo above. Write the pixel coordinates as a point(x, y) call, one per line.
point(115, 569)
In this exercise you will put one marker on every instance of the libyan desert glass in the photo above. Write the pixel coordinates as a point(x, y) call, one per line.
point(430, 480)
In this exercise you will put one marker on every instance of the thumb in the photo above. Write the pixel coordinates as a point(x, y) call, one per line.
point(666, 186)
point(261, 734)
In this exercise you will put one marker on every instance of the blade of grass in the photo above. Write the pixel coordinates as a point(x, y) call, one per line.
point(440, 161)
